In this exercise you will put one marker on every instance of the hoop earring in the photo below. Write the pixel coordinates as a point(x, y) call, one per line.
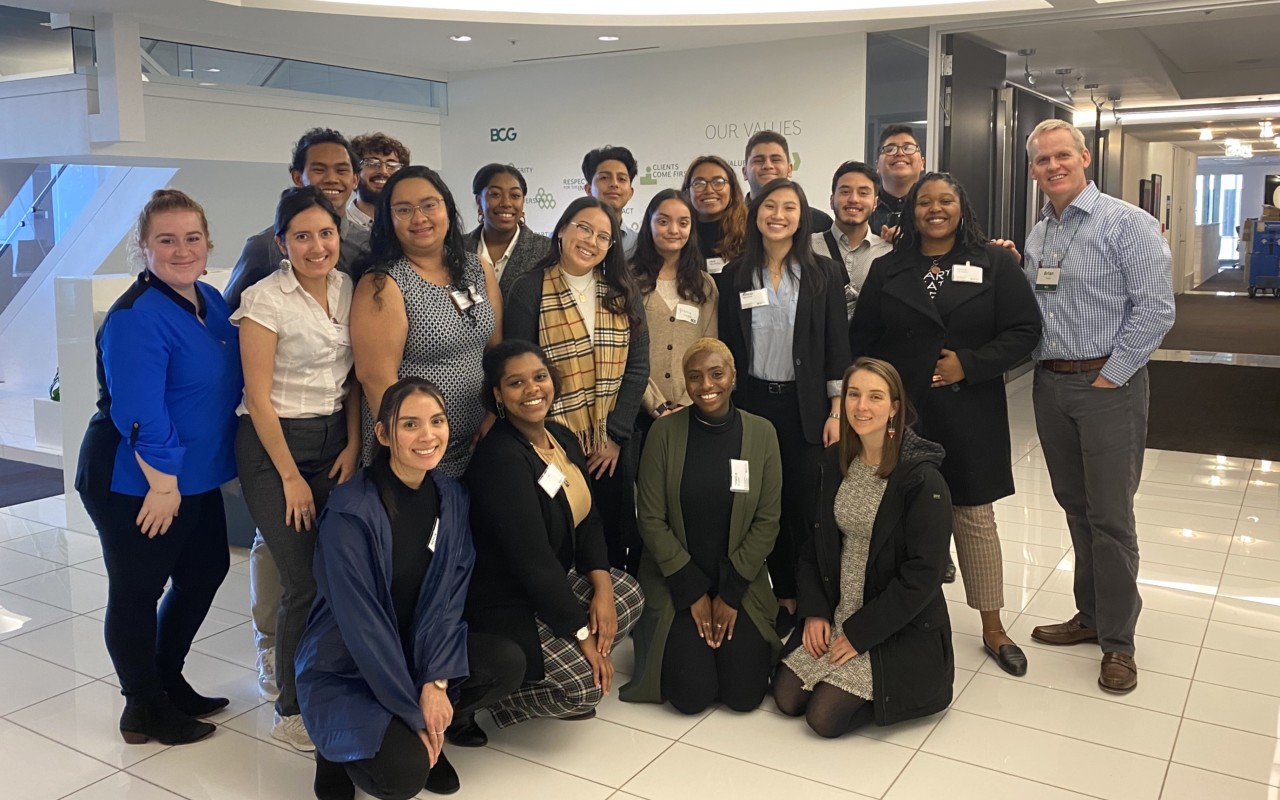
point(502, 411)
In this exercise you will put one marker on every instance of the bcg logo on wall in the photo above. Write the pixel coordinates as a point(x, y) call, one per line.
point(543, 199)
point(502, 134)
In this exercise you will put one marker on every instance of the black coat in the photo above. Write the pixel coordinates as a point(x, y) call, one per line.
point(526, 543)
point(529, 250)
point(820, 344)
point(991, 326)
point(903, 623)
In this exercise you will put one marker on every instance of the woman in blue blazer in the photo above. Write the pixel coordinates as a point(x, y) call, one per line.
point(386, 661)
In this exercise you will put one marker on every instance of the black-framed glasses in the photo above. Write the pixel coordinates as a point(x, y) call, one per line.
point(377, 163)
point(586, 232)
point(907, 149)
point(699, 184)
point(427, 207)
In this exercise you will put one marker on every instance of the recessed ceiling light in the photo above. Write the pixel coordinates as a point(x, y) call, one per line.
point(208, 84)
point(1206, 134)
point(463, 38)
point(608, 38)
point(188, 69)
point(213, 69)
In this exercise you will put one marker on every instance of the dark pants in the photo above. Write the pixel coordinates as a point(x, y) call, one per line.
point(799, 476)
point(149, 646)
point(1093, 441)
point(314, 444)
point(615, 498)
point(399, 769)
point(694, 676)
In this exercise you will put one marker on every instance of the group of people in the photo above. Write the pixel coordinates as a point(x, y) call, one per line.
point(477, 462)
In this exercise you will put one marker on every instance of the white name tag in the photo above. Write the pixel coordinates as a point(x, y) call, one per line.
point(462, 299)
point(552, 480)
point(739, 475)
point(753, 298)
point(344, 334)
point(1047, 279)
point(687, 313)
point(715, 265)
point(435, 533)
point(966, 273)
point(476, 297)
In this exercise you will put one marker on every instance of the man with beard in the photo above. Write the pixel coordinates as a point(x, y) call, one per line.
point(379, 157)
point(850, 241)
point(322, 158)
point(900, 162)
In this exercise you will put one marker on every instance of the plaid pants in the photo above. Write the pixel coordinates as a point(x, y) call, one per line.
point(568, 686)
point(978, 551)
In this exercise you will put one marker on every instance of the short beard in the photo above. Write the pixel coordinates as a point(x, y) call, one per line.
point(367, 194)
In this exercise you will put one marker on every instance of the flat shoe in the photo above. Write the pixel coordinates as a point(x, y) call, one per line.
point(585, 715)
point(1064, 633)
point(466, 732)
point(1119, 674)
point(949, 572)
point(443, 778)
point(1009, 657)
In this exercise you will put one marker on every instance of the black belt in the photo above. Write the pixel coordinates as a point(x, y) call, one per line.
point(772, 387)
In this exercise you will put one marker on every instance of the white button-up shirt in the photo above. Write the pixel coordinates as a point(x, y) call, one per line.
point(313, 349)
point(482, 250)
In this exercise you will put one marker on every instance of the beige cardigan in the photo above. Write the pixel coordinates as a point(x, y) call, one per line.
point(668, 341)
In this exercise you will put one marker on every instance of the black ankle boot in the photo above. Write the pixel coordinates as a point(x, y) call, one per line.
point(191, 702)
point(332, 781)
point(159, 719)
point(443, 778)
point(466, 732)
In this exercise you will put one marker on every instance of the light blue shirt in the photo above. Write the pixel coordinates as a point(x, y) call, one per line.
point(773, 327)
point(1115, 293)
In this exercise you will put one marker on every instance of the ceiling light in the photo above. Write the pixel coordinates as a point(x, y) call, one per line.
point(1265, 128)
point(1276, 142)
point(462, 38)
point(1192, 113)
point(608, 38)
point(188, 69)
point(1206, 134)
point(1232, 147)
point(213, 69)
point(1026, 54)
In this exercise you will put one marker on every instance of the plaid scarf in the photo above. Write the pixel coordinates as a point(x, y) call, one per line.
point(590, 372)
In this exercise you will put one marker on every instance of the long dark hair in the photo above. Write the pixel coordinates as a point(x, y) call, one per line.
point(733, 223)
point(295, 200)
point(801, 252)
point(494, 364)
point(647, 263)
point(385, 248)
point(622, 295)
point(969, 235)
point(389, 416)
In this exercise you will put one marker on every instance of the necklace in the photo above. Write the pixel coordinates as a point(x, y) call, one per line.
point(711, 424)
point(579, 284)
point(933, 267)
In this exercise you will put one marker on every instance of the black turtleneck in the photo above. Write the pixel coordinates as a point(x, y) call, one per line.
point(414, 514)
point(709, 236)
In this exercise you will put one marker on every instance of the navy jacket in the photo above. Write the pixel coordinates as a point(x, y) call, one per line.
point(353, 675)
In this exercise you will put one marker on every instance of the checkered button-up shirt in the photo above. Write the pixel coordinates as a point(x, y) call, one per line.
point(1115, 294)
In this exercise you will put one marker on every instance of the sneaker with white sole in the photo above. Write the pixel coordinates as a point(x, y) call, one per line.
point(268, 689)
point(291, 731)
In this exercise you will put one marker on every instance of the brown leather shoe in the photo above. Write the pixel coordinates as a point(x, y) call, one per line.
point(1063, 633)
point(1119, 673)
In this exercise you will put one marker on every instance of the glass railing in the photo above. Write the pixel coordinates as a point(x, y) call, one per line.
point(41, 213)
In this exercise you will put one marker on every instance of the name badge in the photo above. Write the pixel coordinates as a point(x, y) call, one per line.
point(435, 533)
point(462, 299)
point(552, 480)
point(753, 298)
point(739, 475)
point(966, 273)
point(687, 313)
point(1047, 279)
point(476, 297)
point(715, 265)
point(344, 334)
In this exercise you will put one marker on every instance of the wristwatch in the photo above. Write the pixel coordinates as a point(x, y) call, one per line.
point(582, 633)
point(442, 683)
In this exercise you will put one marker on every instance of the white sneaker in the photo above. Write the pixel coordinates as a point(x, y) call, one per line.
point(291, 731)
point(268, 689)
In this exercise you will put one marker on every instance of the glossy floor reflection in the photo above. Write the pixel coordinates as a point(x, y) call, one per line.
point(1203, 723)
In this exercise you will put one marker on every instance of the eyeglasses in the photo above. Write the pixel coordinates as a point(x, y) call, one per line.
point(893, 149)
point(700, 184)
point(427, 207)
point(586, 232)
point(377, 163)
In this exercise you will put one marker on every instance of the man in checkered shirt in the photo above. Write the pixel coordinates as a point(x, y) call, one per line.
point(1102, 276)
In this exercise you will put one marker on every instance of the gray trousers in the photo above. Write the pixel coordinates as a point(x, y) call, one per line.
point(314, 444)
point(1093, 442)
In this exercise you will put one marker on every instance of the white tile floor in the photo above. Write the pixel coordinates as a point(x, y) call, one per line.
point(1203, 723)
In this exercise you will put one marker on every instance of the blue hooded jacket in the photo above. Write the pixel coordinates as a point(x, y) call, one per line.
point(352, 675)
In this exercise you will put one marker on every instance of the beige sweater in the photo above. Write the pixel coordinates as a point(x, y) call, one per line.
point(669, 338)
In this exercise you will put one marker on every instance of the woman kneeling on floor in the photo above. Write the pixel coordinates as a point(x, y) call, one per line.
point(876, 639)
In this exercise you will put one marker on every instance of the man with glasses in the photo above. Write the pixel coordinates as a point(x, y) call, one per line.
point(610, 172)
point(768, 157)
point(379, 157)
point(900, 162)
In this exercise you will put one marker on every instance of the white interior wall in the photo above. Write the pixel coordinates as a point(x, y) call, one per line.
point(666, 107)
point(1177, 168)
point(1252, 187)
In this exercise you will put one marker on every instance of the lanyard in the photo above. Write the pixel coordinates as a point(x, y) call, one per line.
point(1059, 257)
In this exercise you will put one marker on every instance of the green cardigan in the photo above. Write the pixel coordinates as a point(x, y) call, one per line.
point(753, 528)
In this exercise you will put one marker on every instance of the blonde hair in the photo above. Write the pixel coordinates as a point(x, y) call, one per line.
point(707, 345)
point(162, 201)
point(1055, 125)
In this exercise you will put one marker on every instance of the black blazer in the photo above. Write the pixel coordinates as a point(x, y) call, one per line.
point(903, 623)
point(992, 326)
point(529, 250)
point(820, 340)
point(526, 543)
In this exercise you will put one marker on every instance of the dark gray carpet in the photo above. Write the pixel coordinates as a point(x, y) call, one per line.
point(22, 483)
point(1216, 409)
point(1226, 325)
point(1226, 280)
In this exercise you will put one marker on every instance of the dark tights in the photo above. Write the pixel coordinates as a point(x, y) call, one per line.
point(694, 676)
point(830, 712)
